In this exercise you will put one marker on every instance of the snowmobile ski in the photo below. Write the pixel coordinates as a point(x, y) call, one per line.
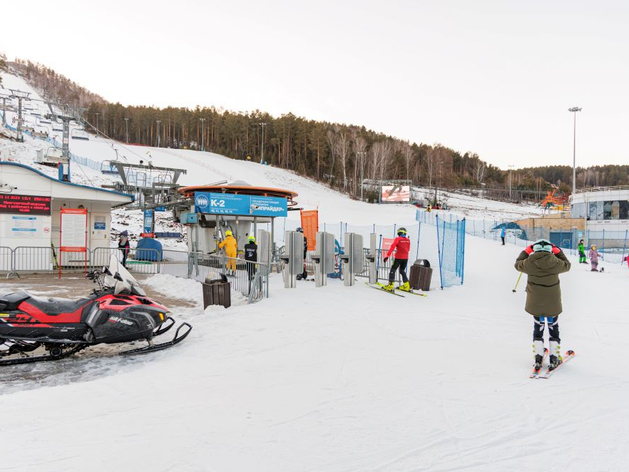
point(382, 289)
point(411, 292)
point(536, 371)
point(567, 356)
point(158, 347)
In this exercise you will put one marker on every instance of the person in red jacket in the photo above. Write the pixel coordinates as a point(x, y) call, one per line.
point(401, 245)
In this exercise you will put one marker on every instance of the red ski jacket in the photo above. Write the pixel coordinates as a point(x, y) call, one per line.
point(401, 246)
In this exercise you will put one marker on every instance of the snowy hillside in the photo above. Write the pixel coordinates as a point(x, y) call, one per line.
point(205, 167)
point(333, 379)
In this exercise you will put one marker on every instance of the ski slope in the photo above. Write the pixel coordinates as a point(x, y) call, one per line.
point(336, 378)
point(346, 379)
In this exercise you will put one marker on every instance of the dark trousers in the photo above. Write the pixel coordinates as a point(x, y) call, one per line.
point(401, 264)
point(503, 240)
point(540, 324)
point(125, 252)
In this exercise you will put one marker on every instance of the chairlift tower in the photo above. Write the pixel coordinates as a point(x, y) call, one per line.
point(65, 141)
point(20, 95)
point(4, 108)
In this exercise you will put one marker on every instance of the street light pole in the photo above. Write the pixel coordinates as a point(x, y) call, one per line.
point(202, 134)
point(574, 151)
point(126, 122)
point(158, 136)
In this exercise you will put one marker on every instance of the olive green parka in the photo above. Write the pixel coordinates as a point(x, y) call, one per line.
point(543, 294)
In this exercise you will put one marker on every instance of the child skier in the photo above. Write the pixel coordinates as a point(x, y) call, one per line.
point(594, 255)
point(401, 245)
point(582, 259)
point(543, 262)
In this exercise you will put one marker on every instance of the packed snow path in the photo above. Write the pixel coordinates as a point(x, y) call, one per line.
point(345, 379)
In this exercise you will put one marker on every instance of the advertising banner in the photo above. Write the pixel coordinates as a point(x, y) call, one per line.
point(395, 193)
point(149, 215)
point(310, 225)
point(239, 205)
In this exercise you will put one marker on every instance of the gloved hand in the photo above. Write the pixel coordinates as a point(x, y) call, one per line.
point(385, 259)
point(556, 250)
point(529, 250)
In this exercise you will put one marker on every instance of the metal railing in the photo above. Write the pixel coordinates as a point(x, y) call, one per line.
point(251, 279)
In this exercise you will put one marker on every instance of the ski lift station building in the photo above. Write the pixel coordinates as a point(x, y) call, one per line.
point(31, 204)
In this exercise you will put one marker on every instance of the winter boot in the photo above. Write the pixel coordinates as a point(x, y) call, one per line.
point(390, 287)
point(406, 287)
point(538, 352)
point(555, 355)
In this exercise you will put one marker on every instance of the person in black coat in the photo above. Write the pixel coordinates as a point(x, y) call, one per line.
point(124, 246)
point(304, 275)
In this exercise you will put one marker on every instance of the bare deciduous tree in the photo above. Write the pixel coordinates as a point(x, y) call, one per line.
point(332, 145)
point(360, 148)
point(342, 150)
point(408, 154)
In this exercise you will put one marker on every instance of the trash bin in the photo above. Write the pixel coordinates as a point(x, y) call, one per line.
point(421, 275)
point(216, 290)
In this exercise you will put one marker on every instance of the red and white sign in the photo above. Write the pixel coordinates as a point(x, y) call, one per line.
point(396, 193)
point(73, 230)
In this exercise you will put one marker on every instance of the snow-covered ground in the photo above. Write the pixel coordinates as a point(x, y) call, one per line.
point(345, 379)
point(339, 378)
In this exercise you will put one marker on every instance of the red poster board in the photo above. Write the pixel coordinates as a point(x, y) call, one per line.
point(310, 224)
point(386, 245)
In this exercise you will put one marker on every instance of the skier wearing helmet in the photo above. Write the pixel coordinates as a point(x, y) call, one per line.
point(251, 255)
point(231, 250)
point(594, 255)
point(401, 245)
point(542, 261)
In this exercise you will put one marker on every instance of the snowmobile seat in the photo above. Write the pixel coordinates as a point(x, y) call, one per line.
point(56, 306)
point(10, 301)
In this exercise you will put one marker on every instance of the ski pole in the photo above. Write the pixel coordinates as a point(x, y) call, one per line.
point(516, 284)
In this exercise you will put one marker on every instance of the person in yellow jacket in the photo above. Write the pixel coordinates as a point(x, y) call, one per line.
point(231, 249)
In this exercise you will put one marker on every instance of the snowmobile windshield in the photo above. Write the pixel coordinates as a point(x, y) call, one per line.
point(119, 278)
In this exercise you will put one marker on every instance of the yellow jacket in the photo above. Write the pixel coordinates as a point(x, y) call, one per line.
point(231, 246)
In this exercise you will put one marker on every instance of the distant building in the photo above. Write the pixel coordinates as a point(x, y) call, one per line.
point(606, 212)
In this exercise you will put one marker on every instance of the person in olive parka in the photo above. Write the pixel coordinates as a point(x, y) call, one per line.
point(543, 262)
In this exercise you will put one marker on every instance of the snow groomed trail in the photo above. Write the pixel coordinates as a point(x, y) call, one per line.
point(345, 379)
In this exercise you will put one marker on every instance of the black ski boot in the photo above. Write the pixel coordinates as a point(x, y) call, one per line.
point(554, 362)
point(539, 359)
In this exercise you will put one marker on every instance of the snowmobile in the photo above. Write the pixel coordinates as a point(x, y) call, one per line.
point(36, 329)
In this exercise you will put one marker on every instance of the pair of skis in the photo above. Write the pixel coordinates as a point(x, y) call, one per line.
point(383, 288)
point(537, 372)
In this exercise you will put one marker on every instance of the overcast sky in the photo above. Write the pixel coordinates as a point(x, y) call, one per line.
point(495, 77)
